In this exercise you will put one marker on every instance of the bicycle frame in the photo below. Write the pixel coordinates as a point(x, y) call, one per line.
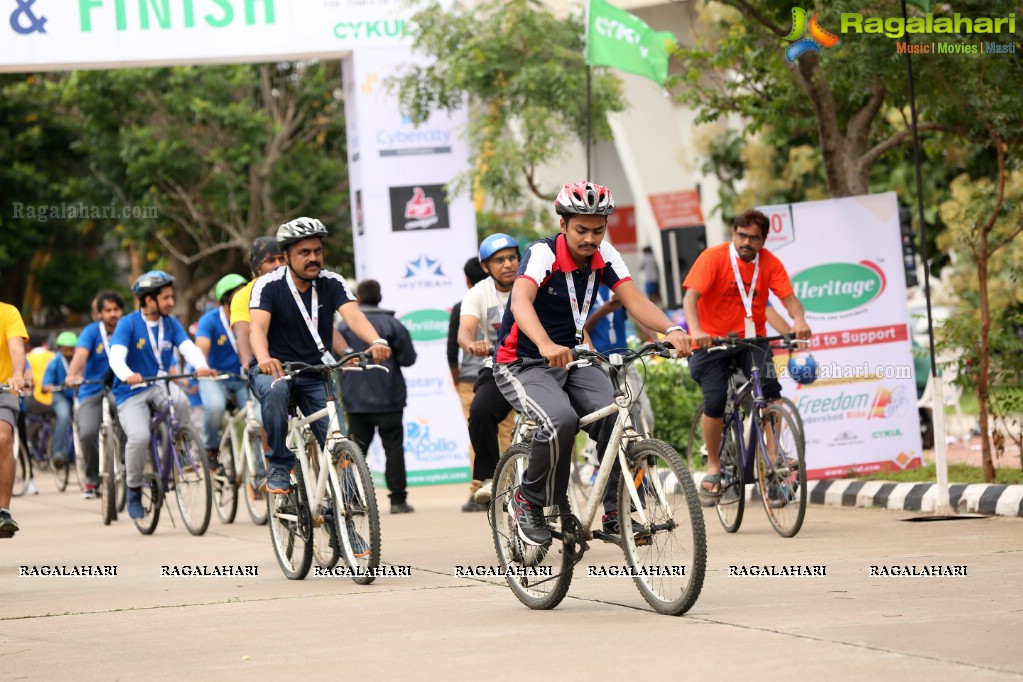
point(237, 425)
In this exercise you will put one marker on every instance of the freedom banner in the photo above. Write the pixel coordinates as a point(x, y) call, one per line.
point(845, 260)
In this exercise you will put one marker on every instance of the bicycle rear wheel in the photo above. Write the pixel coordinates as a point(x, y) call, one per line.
point(732, 502)
point(538, 576)
point(192, 488)
point(60, 474)
point(253, 475)
point(781, 475)
point(358, 520)
point(108, 475)
point(120, 473)
point(224, 484)
point(696, 449)
point(671, 547)
point(291, 530)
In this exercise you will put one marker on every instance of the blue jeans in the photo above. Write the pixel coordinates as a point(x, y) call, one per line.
point(61, 408)
point(310, 396)
point(214, 403)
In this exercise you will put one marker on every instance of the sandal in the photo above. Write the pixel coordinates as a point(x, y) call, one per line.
point(710, 497)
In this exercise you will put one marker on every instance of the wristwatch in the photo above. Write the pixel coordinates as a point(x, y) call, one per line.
point(676, 328)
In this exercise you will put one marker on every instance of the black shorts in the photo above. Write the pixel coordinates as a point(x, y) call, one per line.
point(711, 371)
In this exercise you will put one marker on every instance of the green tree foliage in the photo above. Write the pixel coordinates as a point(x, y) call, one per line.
point(222, 154)
point(524, 74)
point(42, 269)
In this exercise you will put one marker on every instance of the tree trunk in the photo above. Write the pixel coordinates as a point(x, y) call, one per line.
point(984, 359)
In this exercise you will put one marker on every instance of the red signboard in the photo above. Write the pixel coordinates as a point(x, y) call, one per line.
point(621, 226)
point(677, 209)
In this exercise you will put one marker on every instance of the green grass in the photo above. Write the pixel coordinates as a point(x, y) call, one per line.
point(957, 473)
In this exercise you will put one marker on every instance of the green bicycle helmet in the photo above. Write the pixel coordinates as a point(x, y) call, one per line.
point(227, 284)
point(67, 339)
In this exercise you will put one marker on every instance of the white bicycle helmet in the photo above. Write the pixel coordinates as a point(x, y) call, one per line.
point(299, 229)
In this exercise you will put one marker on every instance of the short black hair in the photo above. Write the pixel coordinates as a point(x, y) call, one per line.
point(474, 271)
point(112, 296)
point(368, 291)
point(750, 218)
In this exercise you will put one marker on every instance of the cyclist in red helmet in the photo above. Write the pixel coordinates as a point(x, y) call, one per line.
point(549, 304)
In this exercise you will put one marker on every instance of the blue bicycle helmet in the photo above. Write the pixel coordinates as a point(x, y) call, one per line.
point(495, 243)
point(803, 368)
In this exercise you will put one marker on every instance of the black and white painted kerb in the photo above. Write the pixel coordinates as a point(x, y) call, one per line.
point(980, 498)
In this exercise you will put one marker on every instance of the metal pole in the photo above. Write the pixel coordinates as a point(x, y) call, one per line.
point(943, 505)
point(589, 123)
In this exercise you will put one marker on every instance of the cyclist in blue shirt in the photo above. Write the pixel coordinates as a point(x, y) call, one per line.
point(56, 375)
point(91, 363)
point(143, 346)
point(217, 342)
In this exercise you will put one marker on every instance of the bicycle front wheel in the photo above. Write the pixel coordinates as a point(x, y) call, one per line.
point(108, 475)
point(253, 475)
point(22, 470)
point(152, 499)
point(192, 487)
point(667, 547)
point(291, 530)
point(358, 521)
point(732, 502)
point(224, 485)
point(539, 576)
point(781, 471)
point(60, 474)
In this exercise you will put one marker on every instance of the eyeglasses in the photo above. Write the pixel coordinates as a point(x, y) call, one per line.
point(751, 238)
point(500, 260)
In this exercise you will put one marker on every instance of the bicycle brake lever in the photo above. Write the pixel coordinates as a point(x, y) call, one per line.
point(286, 377)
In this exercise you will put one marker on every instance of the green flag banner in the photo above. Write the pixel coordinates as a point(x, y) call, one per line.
point(622, 40)
point(925, 5)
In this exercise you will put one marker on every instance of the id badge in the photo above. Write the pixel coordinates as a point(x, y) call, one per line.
point(327, 358)
point(749, 330)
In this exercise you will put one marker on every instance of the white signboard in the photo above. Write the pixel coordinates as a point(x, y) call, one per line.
point(413, 239)
point(845, 260)
point(37, 35)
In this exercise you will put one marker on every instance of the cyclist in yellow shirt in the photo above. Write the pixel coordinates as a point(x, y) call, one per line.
point(264, 256)
point(12, 377)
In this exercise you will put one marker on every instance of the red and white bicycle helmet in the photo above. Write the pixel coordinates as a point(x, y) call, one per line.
point(584, 198)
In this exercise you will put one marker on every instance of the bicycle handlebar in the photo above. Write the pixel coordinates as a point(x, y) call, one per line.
point(292, 369)
point(624, 357)
point(732, 340)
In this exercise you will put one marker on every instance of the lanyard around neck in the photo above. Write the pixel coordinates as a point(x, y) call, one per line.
point(227, 330)
point(747, 298)
point(580, 313)
point(156, 344)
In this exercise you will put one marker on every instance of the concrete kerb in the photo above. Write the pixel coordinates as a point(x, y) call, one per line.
point(980, 498)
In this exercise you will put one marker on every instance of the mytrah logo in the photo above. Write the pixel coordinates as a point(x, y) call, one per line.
point(817, 39)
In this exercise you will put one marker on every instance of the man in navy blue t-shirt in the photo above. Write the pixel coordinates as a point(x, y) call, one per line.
point(545, 318)
point(292, 315)
point(143, 346)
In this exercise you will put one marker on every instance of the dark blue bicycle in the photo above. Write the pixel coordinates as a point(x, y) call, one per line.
point(773, 455)
point(40, 430)
point(177, 461)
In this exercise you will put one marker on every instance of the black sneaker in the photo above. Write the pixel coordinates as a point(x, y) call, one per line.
point(530, 520)
point(611, 526)
point(8, 526)
point(402, 508)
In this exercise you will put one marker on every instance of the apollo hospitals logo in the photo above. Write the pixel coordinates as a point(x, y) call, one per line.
point(818, 38)
point(425, 448)
point(25, 21)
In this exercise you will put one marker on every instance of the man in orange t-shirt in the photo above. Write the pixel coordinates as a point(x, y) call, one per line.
point(715, 305)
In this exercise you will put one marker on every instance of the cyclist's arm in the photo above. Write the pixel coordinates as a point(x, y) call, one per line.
point(204, 344)
point(600, 313)
point(241, 337)
point(77, 367)
point(689, 306)
point(118, 356)
point(467, 341)
point(646, 313)
point(523, 296)
point(195, 358)
point(780, 324)
point(364, 329)
point(16, 349)
point(795, 309)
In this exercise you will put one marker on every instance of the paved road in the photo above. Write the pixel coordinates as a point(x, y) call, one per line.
point(432, 625)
